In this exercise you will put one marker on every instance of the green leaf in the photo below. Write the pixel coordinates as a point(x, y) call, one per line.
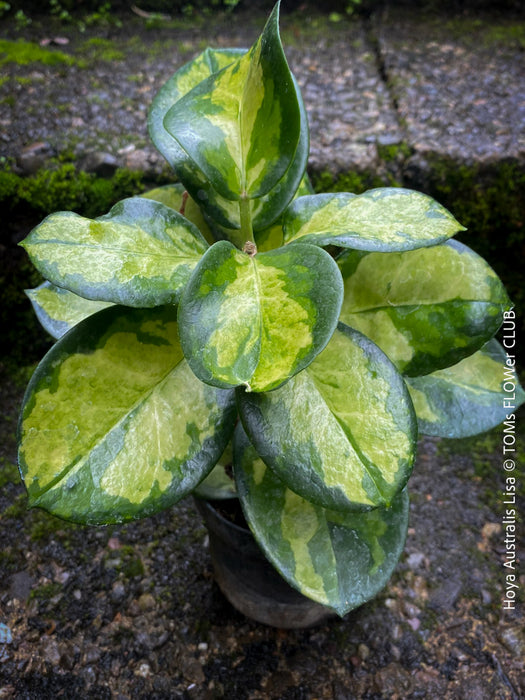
point(338, 559)
point(383, 219)
point(343, 433)
point(219, 483)
point(241, 126)
point(271, 237)
point(265, 209)
point(427, 308)
point(469, 397)
point(114, 424)
point(176, 197)
point(140, 254)
point(58, 310)
point(258, 320)
point(185, 79)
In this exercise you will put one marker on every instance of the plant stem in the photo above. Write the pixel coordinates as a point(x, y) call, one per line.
point(246, 219)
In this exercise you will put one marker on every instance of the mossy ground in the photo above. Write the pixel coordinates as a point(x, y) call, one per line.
point(24, 202)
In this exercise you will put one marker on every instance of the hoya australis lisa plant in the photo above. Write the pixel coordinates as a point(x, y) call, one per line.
point(210, 314)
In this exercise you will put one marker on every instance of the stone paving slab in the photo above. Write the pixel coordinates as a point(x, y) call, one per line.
point(458, 84)
point(452, 88)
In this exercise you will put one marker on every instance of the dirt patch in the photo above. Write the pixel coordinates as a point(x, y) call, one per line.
point(133, 612)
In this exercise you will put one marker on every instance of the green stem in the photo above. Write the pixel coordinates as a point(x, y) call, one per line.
point(246, 220)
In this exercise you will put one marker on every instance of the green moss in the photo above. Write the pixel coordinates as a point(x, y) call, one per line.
point(9, 561)
point(356, 182)
point(24, 53)
point(43, 525)
point(131, 563)
point(101, 50)
point(485, 33)
point(17, 509)
point(23, 81)
point(66, 188)
point(24, 201)
point(46, 591)
point(133, 567)
point(8, 472)
point(393, 152)
point(298, 28)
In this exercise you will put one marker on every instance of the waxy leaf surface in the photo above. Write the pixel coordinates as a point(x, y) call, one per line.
point(207, 63)
point(241, 125)
point(338, 559)
point(383, 219)
point(258, 320)
point(427, 308)
point(469, 397)
point(237, 117)
point(114, 424)
point(176, 197)
point(58, 310)
point(140, 254)
point(183, 81)
point(219, 483)
point(342, 433)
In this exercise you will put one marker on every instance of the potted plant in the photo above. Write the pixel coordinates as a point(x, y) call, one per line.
point(308, 335)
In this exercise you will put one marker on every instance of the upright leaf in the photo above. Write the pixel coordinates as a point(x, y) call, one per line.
point(114, 424)
point(467, 398)
point(383, 219)
point(207, 63)
point(140, 254)
point(241, 126)
point(342, 433)
point(258, 320)
point(58, 310)
point(426, 309)
point(263, 210)
point(338, 559)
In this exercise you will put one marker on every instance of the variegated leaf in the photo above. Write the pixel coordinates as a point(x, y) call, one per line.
point(338, 559)
point(219, 483)
point(114, 424)
point(427, 308)
point(257, 320)
point(262, 211)
point(183, 81)
point(342, 433)
point(469, 397)
point(266, 238)
point(383, 219)
point(241, 126)
point(273, 236)
point(58, 310)
point(176, 197)
point(207, 63)
point(140, 254)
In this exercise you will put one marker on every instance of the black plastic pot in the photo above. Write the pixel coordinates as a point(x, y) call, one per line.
point(249, 581)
